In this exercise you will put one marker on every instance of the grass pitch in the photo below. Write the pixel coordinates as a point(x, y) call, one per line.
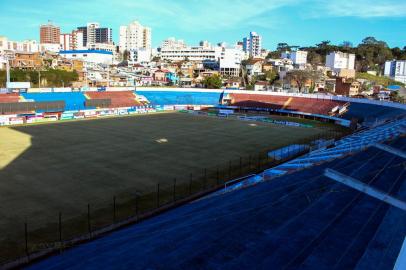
point(61, 167)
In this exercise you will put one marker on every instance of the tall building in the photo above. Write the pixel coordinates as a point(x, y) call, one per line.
point(252, 45)
point(104, 35)
point(49, 34)
point(396, 70)
point(134, 36)
point(78, 40)
point(230, 61)
point(65, 42)
point(93, 33)
point(83, 30)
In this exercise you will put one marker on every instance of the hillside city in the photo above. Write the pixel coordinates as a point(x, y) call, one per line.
point(88, 57)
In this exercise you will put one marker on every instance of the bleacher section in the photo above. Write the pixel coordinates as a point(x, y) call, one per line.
point(181, 98)
point(368, 113)
point(73, 100)
point(302, 220)
point(118, 98)
point(9, 98)
point(371, 113)
point(300, 104)
point(351, 144)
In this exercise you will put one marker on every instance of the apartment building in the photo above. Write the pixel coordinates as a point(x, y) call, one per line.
point(197, 53)
point(134, 36)
point(396, 70)
point(230, 62)
point(65, 42)
point(30, 46)
point(299, 58)
point(93, 33)
point(342, 64)
point(49, 33)
point(252, 45)
point(77, 40)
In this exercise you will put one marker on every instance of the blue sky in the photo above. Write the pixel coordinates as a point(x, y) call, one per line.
point(297, 22)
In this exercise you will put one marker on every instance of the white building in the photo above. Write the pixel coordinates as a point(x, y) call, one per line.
point(91, 32)
point(396, 70)
point(91, 56)
point(65, 42)
point(252, 45)
point(172, 43)
point(230, 62)
point(30, 46)
point(77, 40)
point(342, 64)
point(197, 53)
point(339, 60)
point(298, 57)
point(134, 36)
point(140, 56)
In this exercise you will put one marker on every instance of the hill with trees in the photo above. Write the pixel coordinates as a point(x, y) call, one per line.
point(371, 53)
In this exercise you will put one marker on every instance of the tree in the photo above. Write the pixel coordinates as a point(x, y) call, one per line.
point(213, 82)
point(302, 77)
point(281, 47)
point(270, 76)
point(372, 54)
point(346, 44)
point(314, 58)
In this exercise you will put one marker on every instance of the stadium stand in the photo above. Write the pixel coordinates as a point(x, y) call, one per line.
point(303, 220)
point(9, 98)
point(371, 113)
point(73, 100)
point(31, 107)
point(308, 105)
point(118, 98)
point(181, 98)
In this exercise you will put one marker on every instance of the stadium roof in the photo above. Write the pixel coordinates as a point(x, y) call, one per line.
point(299, 221)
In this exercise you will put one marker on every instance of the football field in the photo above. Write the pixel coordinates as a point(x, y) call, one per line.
point(63, 167)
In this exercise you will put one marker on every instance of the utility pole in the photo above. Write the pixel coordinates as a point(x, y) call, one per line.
point(39, 79)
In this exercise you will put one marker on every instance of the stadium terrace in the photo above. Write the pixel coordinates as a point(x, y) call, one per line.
point(177, 178)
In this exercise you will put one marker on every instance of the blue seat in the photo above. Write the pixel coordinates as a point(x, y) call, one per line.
point(73, 100)
point(181, 98)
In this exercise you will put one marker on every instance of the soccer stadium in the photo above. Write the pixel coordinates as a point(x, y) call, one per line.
point(173, 178)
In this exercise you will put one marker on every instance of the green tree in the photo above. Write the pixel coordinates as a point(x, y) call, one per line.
point(51, 77)
point(270, 76)
point(213, 82)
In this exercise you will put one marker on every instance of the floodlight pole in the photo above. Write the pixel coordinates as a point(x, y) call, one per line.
point(7, 70)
